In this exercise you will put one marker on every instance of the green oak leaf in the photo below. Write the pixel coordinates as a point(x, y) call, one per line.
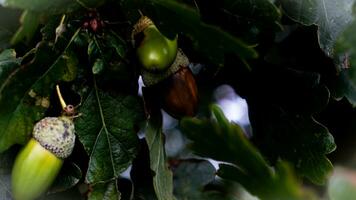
point(107, 131)
point(9, 19)
point(110, 46)
point(108, 55)
point(116, 43)
point(176, 18)
point(297, 138)
point(5, 36)
point(9, 22)
point(163, 179)
point(172, 17)
point(98, 66)
point(93, 50)
point(224, 141)
point(261, 12)
point(141, 174)
point(67, 178)
point(336, 36)
point(29, 24)
point(107, 191)
point(280, 185)
point(247, 20)
point(52, 7)
point(25, 89)
point(192, 177)
point(345, 86)
point(332, 17)
point(345, 58)
point(283, 104)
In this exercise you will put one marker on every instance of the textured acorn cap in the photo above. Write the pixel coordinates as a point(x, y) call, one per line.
point(141, 25)
point(56, 134)
point(150, 79)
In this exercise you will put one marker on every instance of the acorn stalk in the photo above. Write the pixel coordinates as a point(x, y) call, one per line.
point(39, 162)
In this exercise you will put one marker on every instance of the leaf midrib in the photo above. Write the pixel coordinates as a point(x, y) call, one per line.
point(104, 126)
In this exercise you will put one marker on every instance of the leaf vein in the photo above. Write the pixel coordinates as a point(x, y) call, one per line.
point(104, 127)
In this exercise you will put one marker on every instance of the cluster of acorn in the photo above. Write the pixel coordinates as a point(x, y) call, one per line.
point(169, 83)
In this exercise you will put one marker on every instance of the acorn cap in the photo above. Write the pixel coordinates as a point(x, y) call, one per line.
point(56, 134)
point(141, 25)
point(150, 79)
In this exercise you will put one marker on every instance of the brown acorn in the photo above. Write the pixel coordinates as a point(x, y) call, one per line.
point(175, 91)
point(180, 94)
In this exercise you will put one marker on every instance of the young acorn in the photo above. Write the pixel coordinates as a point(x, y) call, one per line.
point(169, 82)
point(40, 161)
point(155, 52)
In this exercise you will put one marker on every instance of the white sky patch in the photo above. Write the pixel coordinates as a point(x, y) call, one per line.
point(168, 121)
point(235, 110)
point(234, 107)
point(126, 173)
point(140, 85)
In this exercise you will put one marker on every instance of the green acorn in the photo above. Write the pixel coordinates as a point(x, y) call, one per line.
point(39, 162)
point(155, 52)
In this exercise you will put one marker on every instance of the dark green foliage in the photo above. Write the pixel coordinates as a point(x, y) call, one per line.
point(291, 60)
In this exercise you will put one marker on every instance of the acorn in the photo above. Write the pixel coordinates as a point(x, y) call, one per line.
point(155, 52)
point(39, 162)
point(174, 90)
point(180, 94)
point(169, 82)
